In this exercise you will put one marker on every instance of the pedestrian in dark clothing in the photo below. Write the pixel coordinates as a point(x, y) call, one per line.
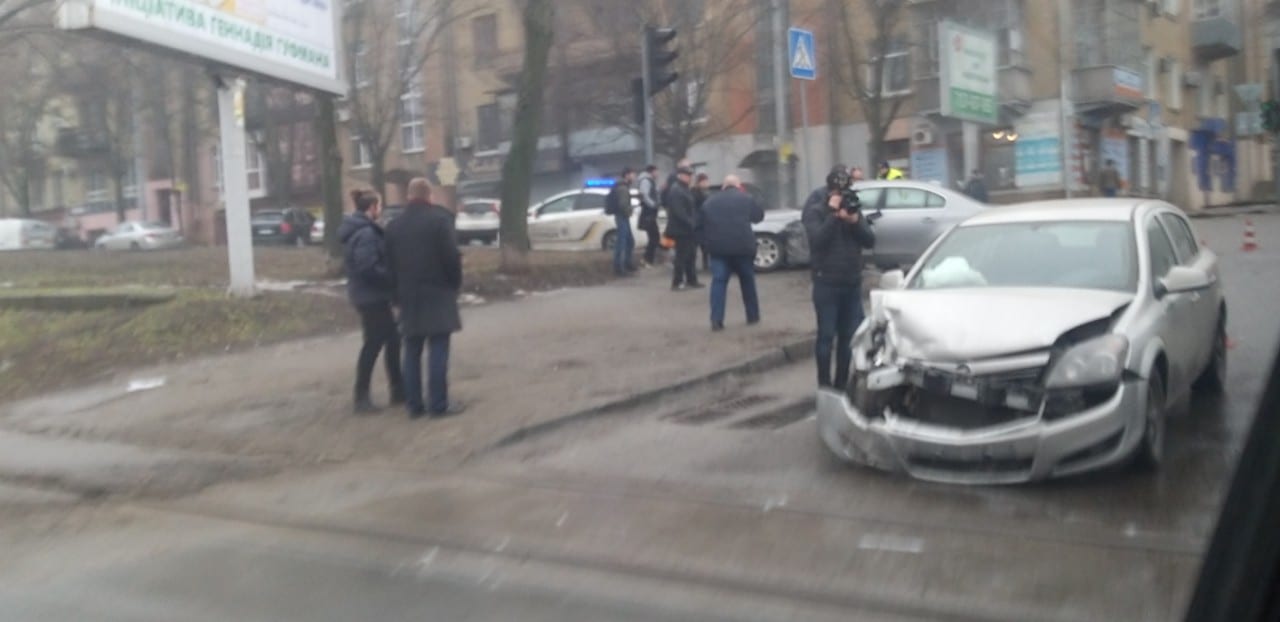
point(681, 226)
point(701, 191)
point(649, 205)
point(1109, 180)
point(977, 187)
point(836, 241)
point(724, 226)
point(618, 204)
point(370, 286)
point(819, 194)
point(427, 266)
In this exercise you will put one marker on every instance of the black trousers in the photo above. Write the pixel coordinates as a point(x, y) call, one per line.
point(686, 266)
point(650, 227)
point(380, 335)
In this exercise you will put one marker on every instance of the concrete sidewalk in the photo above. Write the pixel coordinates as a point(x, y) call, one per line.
point(516, 364)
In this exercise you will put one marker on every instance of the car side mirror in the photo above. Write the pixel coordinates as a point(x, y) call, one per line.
point(1182, 279)
point(893, 279)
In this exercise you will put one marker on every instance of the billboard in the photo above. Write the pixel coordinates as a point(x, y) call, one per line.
point(969, 87)
point(294, 41)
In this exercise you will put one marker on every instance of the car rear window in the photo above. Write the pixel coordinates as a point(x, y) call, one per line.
point(478, 208)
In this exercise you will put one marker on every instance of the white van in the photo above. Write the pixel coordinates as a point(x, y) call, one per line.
point(21, 234)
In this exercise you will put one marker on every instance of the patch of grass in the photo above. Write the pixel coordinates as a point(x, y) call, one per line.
point(191, 267)
point(41, 351)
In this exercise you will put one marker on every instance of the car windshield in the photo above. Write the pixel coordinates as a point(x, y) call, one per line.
point(1075, 254)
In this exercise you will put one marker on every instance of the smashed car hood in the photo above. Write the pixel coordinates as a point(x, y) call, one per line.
point(964, 324)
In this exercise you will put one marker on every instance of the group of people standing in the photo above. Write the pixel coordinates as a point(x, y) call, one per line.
point(404, 282)
point(718, 224)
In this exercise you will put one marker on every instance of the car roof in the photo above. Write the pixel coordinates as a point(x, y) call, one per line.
point(1114, 210)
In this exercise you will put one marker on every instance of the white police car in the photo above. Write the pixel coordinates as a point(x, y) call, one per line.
point(575, 220)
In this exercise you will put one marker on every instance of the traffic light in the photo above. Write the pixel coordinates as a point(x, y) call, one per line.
point(1271, 116)
point(659, 59)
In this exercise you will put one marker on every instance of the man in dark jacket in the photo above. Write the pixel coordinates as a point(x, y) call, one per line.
point(426, 264)
point(618, 204)
point(681, 224)
point(369, 287)
point(836, 240)
point(977, 187)
point(724, 226)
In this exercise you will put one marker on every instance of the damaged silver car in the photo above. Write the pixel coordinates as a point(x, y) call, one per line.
point(1032, 342)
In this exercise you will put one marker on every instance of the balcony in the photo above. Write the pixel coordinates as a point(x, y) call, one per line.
point(1014, 96)
point(74, 142)
point(1215, 38)
point(1108, 89)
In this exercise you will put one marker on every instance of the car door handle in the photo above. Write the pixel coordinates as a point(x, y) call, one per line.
point(928, 220)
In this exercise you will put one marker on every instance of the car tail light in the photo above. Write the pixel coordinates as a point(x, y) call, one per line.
point(496, 209)
point(285, 228)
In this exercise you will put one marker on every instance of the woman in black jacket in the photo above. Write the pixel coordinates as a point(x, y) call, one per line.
point(369, 287)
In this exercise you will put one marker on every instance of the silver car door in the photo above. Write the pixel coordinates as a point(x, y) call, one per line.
point(550, 217)
point(1178, 324)
point(912, 219)
point(1206, 303)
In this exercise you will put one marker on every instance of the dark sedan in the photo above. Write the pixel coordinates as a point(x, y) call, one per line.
point(289, 226)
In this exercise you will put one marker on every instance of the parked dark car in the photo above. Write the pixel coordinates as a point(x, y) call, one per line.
point(287, 226)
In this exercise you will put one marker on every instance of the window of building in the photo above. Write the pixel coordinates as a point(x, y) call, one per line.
point(1175, 85)
point(1208, 8)
point(412, 126)
point(1012, 47)
point(96, 186)
point(1172, 7)
point(360, 155)
point(896, 68)
point(406, 28)
point(484, 39)
point(254, 168)
point(488, 127)
point(360, 71)
point(1152, 63)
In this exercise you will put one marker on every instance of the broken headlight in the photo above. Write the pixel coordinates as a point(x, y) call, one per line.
point(1094, 363)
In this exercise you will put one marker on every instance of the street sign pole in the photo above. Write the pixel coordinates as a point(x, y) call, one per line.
point(801, 53)
point(235, 189)
point(648, 101)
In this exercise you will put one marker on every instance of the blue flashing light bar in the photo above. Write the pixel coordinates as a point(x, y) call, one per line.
point(601, 182)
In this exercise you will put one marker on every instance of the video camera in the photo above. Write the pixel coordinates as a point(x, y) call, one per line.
point(840, 181)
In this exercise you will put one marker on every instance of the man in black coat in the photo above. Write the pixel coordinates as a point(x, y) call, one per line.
point(427, 267)
point(682, 213)
point(369, 288)
point(836, 241)
point(724, 226)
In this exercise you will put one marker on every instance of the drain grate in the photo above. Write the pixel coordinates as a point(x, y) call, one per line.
point(778, 418)
point(719, 410)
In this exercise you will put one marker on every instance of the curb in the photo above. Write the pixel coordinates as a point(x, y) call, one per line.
point(779, 356)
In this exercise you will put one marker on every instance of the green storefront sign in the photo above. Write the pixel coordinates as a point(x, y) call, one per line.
point(969, 86)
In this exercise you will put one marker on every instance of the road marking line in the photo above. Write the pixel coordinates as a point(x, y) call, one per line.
point(890, 542)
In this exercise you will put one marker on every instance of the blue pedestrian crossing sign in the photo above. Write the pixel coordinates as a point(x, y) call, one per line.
point(800, 51)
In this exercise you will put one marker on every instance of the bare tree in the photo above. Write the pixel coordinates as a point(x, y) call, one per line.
point(386, 71)
point(517, 171)
point(866, 34)
point(103, 84)
point(712, 38)
point(29, 72)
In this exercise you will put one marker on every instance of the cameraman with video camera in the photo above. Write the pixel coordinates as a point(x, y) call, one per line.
point(838, 232)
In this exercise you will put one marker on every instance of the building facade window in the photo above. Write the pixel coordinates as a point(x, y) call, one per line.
point(360, 65)
point(254, 167)
point(1205, 9)
point(412, 126)
point(896, 69)
point(484, 39)
point(488, 127)
point(1175, 85)
point(360, 155)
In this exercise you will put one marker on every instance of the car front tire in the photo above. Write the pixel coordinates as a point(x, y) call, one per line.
point(1151, 450)
point(1213, 380)
point(609, 241)
point(769, 252)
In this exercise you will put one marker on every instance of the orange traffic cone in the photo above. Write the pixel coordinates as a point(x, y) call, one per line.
point(1250, 242)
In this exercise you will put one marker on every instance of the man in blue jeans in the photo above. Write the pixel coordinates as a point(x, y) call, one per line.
point(724, 228)
point(837, 237)
point(426, 266)
point(618, 205)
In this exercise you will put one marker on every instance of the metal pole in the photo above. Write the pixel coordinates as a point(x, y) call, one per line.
point(648, 103)
point(1066, 126)
point(780, 91)
point(139, 161)
point(235, 192)
point(804, 123)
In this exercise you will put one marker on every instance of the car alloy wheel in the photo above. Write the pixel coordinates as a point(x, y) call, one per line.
point(1151, 451)
point(610, 240)
point(768, 252)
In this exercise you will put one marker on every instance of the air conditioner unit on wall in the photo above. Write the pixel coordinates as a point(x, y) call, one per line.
point(344, 115)
point(922, 136)
point(462, 142)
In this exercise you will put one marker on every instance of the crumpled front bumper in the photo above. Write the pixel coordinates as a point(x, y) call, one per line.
point(1018, 451)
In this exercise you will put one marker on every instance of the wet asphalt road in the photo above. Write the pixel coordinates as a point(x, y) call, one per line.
point(654, 515)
